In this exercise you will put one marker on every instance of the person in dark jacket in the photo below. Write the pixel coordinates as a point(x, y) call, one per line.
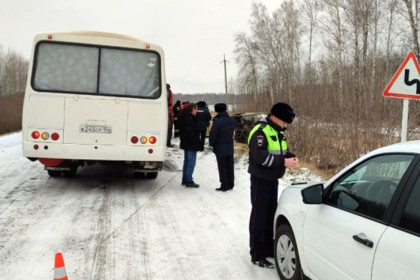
point(170, 116)
point(221, 139)
point(177, 109)
point(190, 143)
point(268, 158)
point(203, 121)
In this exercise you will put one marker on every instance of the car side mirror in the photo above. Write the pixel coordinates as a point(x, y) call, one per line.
point(313, 194)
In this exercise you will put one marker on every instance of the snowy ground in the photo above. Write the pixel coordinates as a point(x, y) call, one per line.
point(109, 225)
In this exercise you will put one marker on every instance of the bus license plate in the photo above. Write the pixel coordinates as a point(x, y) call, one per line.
point(105, 129)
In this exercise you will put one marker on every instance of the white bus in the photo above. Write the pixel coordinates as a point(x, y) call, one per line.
point(95, 97)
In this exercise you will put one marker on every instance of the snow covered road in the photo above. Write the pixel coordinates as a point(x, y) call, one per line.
point(110, 225)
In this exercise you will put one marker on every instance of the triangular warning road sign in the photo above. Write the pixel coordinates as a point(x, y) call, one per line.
point(406, 81)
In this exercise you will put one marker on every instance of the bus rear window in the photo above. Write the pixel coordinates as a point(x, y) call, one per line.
point(97, 70)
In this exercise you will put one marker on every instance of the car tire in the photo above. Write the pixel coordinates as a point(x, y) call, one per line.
point(286, 256)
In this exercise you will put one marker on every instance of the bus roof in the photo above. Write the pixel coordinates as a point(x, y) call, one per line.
point(95, 34)
point(100, 34)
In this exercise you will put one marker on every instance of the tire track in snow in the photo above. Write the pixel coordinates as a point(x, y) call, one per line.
point(103, 226)
point(108, 232)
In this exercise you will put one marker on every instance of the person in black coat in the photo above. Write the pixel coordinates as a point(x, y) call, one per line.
point(176, 110)
point(221, 139)
point(190, 143)
point(203, 121)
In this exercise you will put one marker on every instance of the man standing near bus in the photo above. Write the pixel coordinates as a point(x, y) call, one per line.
point(190, 143)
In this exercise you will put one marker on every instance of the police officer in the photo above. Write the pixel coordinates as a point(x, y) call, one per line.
point(203, 121)
point(268, 158)
point(221, 139)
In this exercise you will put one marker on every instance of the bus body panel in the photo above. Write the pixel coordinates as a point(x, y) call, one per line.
point(94, 152)
point(96, 126)
point(46, 111)
point(105, 125)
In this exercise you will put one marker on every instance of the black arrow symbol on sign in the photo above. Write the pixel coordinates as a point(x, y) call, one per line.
point(412, 82)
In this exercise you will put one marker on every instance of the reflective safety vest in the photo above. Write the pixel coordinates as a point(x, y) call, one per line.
point(275, 146)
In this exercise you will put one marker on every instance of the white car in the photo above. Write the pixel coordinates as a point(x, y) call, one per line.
point(363, 223)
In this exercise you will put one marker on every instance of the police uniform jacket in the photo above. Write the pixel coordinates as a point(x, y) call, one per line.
point(264, 164)
point(221, 134)
point(203, 118)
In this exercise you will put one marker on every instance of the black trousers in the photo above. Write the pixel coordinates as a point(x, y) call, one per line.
point(169, 136)
point(226, 173)
point(176, 127)
point(202, 139)
point(264, 204)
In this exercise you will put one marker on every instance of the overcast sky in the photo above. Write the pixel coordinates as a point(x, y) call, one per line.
point(194, 34)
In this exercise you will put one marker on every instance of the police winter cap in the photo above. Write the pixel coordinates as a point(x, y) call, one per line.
point(220, 107)
point(284, 112)
point(201, 104)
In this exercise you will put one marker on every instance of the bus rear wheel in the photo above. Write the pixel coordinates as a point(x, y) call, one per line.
point(146, 175)
point(151, 175)
point(71, 172)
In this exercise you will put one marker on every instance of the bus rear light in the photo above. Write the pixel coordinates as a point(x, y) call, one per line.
point(152, 139)
point(35, 134)
point(49, 37)
point(143, 140)
point(45, 135)
point(55, 136)
point(36, 147)
point(134, 139)
point(150, 151)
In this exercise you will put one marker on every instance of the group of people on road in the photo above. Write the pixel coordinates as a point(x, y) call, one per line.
point(193, 122)
point(269, 156)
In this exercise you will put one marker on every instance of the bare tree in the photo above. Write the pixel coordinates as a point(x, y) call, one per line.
point(245, 51)
point(311, 10)
point(333, 31)
point(414, 19)
point(287, 36)
point(13, 73)
point(389, 41)
point(267, 51)
point(2, 62)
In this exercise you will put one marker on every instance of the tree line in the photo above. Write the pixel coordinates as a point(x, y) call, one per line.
point(330, 60)
point(13, 74)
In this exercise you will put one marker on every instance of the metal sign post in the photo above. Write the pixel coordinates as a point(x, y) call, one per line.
point(404, 121)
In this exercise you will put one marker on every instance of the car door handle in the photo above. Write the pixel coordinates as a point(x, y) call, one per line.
point(362, 238)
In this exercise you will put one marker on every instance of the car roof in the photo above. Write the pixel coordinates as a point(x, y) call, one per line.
point(402, 147)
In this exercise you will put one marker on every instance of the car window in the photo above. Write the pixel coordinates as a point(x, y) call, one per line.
point(368, 188)
point(410, 219)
